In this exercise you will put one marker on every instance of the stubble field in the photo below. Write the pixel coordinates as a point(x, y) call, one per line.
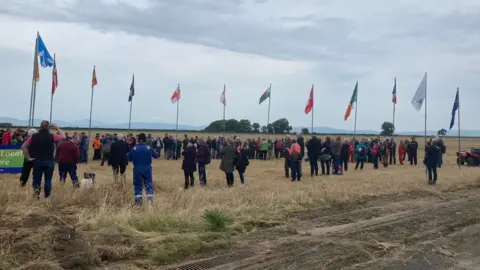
point(384, 219)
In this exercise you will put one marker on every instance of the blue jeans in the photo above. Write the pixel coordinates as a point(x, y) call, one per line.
point(43, 168)
point(337, 162)
point(296, 166)
point(202, 174)
point(83, 155)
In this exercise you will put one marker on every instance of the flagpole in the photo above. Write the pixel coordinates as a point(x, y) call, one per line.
point(425, 109)
point(130, 117)
point(394, 103)
point(178, 105)
point(224, 124)
point(34, 82)
point(356, 109)
point(51, 96)
point(313, 105)
point(269, 100)
point(458, 126)
point(91, 108)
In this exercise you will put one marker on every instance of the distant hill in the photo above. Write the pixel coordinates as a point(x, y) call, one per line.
point(168, 126)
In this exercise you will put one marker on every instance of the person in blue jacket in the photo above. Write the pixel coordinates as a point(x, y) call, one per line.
point(141, 156)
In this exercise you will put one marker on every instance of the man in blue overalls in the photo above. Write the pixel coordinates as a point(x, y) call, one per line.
point(141, 155)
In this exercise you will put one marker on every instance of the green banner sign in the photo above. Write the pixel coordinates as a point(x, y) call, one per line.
point(11, 159)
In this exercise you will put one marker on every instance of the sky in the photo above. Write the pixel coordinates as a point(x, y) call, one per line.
point(246, 45)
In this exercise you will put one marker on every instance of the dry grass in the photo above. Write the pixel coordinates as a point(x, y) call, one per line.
point(91, 227)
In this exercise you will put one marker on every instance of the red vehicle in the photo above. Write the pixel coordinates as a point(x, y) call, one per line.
point(470, 158)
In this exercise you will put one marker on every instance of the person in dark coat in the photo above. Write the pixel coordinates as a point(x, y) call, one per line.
point(313, 151)
point(412, 149)
point(118, 158)
point(189, 165)
point(344, 152)
point(241, 161)
point(203, 158)
point(301, 142)
point(326, 151)
point(227, 165)
point(432, 159)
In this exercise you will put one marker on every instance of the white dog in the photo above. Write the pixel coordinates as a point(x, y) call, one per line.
point(88, 181)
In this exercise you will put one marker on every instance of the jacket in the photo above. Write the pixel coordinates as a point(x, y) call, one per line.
point(228, 158)
point(203, 154)
point(68, 152)
point(361, 152)
point(189, 157)
point(118, 153)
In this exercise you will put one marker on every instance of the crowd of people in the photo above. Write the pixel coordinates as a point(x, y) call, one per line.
point(43, 149)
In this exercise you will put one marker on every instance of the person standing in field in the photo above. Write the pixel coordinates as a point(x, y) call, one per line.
point(263, 149)
point(117, 158)
point(189, 165)
point(203, 158)
point(432, 159)
point(326, 156)
point(412, 150)
point(68, 156)
point(141, 155)
point(27, 164)
point(313, 151)
point(40, 148)
point(227, 163)
point(375, 154)
point(296, 161)
point(360, 154)
point(97, 148)
point(344, 153)
point(401, 152)
point(241, 161)
point(106, 147)
point(336, 152)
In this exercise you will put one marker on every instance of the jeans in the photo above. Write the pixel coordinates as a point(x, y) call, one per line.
point(189, 179)
point(83, 155)
point(202, 174)
point(344, 163)
point(70, 169)
point(336, 164)
point(325, 164)
point(296, 166)
point(287, 166)
point(432, 173)
point(360, 162)
point(313, 165)
point(43, 168)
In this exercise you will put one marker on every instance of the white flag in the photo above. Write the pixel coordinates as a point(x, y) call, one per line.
point(421, 94)
point(223, 99)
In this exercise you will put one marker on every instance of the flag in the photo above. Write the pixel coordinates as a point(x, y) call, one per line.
point(176, 95)
point(353, 99)
point(394, 92)
point(309, 106)
point(54, 76)
point(36, 70)
point(265, 95)
point(132, 89)
point(46, 59)
point(420, 95)
point(456, 106)
point(94, 77)
point(223, 99)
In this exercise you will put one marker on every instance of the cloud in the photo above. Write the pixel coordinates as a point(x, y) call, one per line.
point(248, 44)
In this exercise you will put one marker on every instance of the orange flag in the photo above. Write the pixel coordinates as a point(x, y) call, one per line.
point(353, 99)
point(94, 77)
point(309, 106)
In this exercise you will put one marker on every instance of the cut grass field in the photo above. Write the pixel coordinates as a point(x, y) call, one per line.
point(98, 229)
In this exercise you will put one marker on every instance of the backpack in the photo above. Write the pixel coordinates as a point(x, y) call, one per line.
point(295, 155)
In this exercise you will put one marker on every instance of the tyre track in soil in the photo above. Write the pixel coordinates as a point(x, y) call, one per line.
point(434, 232)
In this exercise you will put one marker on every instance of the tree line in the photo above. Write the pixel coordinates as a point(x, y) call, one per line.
point(279, 126)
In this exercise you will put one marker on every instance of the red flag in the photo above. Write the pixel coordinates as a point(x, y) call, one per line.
point(176, 95)
point(94, 77)
point(309, 106)
point(54, 76)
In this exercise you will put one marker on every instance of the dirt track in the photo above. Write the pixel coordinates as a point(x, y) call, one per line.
point(431, 231)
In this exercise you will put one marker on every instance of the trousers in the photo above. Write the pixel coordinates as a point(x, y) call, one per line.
point(142, 177)
point(43, 168)
point(70, 169)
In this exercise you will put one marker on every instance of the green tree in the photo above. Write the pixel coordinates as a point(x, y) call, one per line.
point(264, 129)
point(387, 129)
point(256, 127)
point(245, 125)
point(442, 132)
point(281, 126)
point(304, 131)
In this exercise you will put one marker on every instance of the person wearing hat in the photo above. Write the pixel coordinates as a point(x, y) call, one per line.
point(141, 156)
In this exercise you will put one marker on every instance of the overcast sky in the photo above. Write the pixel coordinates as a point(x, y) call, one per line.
point(245, 44)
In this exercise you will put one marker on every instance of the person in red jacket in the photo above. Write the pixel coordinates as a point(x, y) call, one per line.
point(68, 156)
point(401, 152)
point(7, 137)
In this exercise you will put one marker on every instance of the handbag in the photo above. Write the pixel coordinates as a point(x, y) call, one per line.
point(325, 157)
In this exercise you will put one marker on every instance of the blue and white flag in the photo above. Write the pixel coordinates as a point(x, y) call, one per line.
point(46, 60)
